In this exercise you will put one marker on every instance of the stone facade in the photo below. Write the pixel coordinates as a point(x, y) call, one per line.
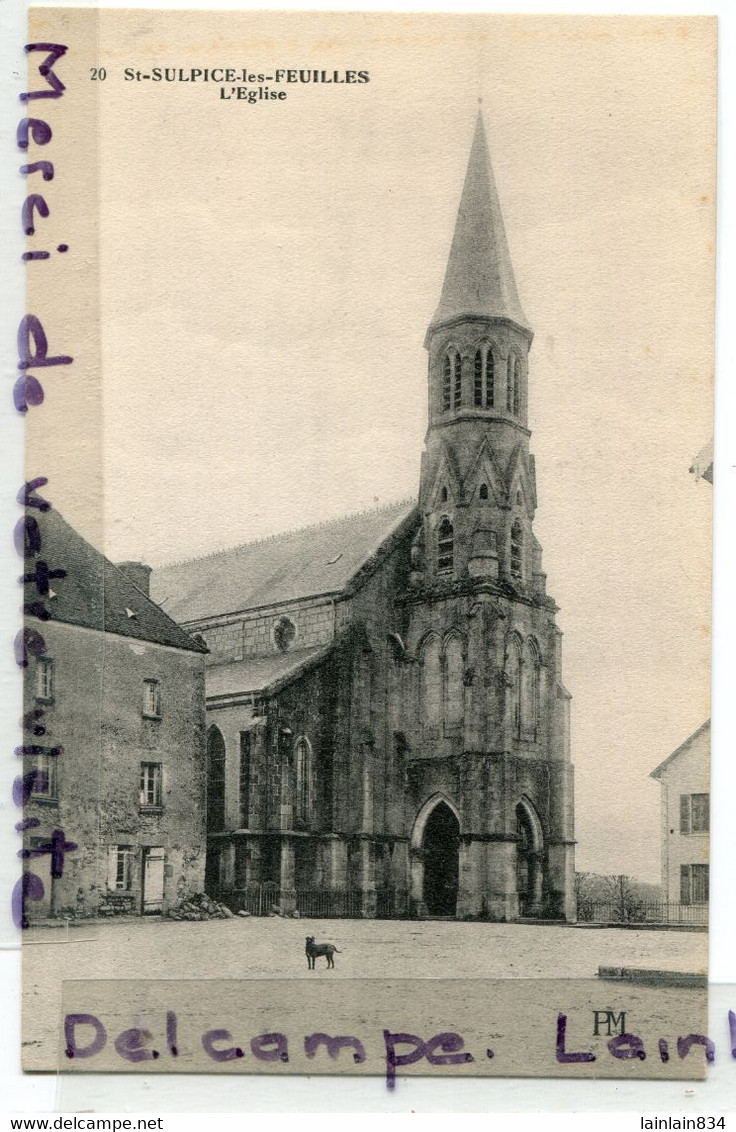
point(388, 731)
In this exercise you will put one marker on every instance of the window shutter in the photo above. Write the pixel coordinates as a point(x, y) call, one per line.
point(684, 813)
point(684, 884)
point(699, 813)
point(700, 884)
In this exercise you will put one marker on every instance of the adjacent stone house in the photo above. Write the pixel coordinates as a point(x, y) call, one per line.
point(387, 727)
point(119, 687)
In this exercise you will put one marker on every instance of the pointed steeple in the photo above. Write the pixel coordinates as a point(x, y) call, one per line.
point(479, 279)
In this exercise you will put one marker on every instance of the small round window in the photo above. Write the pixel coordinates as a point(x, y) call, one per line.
point(284, 633)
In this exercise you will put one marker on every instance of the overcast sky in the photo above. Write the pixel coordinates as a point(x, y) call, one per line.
point(267, 273)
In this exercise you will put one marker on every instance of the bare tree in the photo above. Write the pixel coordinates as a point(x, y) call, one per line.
point(584, 894)
point(622, 895)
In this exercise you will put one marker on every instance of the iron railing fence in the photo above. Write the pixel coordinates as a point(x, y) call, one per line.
point(314, 903)
point(322, 904)
point(258, 899)
point(641, 912)
point(386, 908)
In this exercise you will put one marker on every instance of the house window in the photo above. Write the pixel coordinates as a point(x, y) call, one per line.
point(451, 381)
point(694, 884)
point(44, 783)
point(303, 775)
point(483, 492)
point(45, 679)
point(244, 777)
point(483, 378)
point(517, 547)
point(150, 784)
point(119, 870)
point(694, 813)
point(445, 546)
point(151, 699)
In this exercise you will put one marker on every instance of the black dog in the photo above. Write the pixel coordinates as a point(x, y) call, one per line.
point(314, 949)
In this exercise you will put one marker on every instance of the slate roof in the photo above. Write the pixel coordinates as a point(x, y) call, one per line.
point(256, 674)
point(479, 279)
point(656, 773)
point(94, 593)
point(287, 567)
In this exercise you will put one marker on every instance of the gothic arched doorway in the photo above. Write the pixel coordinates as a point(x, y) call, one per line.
point(441, 847)
point(529, 852)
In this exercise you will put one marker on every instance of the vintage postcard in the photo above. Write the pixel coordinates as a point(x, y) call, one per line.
point(367, 376)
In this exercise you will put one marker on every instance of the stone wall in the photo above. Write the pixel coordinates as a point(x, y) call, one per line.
point(97, 716)
point(252, 634)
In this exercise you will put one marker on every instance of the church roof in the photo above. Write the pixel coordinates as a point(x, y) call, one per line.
point(479, 279)
point(316, 560)
point(94, 593)
point(261, 673)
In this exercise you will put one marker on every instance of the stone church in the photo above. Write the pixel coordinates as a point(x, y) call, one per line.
point(387, 727)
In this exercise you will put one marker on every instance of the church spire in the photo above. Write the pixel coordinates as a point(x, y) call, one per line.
point(479, 279)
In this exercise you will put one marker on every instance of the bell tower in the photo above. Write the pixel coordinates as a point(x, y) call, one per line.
point(488, 718)
point(477, 489)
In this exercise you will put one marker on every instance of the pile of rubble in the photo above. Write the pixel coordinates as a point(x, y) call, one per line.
point(200, 907)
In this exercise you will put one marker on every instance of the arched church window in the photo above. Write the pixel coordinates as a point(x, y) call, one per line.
point(303, 753)
point(513, 680)
point(445, 546)
point(457, 392)
point(283, 633)
point(215, 780)
point(517, 386)
point(483, 491)
point(530, 706)
point(517, 549)
point(451, 381)
point(510, 383)
point(447, 383)
point(431, 683)
point(454, 681)
point(443, 495)
point(394, 684)
point(483, 378)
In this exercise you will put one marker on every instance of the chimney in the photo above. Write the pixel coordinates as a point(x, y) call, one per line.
point(138, 573)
